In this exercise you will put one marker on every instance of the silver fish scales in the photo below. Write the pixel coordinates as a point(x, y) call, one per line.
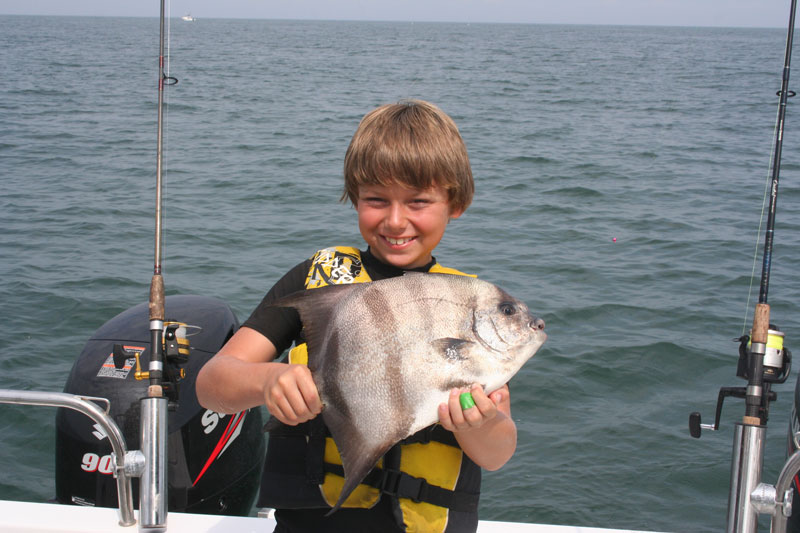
point(385, 354)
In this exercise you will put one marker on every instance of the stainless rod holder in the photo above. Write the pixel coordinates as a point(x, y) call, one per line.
point(746, 465)
point(153, 488)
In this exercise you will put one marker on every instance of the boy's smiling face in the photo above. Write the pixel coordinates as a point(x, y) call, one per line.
point(403, 225)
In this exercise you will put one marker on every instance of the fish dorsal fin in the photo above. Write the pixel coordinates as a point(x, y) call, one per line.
point(314, 306)
point(311, 298)
point(452, 349)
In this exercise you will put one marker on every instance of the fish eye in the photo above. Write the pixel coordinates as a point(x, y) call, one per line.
point(507, 308)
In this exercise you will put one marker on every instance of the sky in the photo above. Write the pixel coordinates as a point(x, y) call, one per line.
point(732, 13)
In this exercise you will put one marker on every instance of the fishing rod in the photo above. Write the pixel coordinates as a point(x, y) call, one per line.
point(763, 360)
point(153, 492)
point(156, 305)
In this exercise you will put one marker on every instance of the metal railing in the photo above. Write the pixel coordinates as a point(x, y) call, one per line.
point(126, 464)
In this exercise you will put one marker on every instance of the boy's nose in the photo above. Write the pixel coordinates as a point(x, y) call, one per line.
point(396, 216)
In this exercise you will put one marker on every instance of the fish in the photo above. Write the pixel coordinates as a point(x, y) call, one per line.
point(385, 354)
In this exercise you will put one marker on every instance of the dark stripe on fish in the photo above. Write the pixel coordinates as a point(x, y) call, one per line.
point(403, 411)
point(424, 308)
point(333, 387)
point(381, 315)
point(454, 384)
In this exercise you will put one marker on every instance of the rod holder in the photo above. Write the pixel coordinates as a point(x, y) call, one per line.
point(746, 465)
point(153, 488)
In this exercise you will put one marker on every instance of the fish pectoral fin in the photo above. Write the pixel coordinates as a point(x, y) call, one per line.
point(452, 349)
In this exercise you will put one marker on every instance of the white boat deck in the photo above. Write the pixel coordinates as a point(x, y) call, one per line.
point(26, 517)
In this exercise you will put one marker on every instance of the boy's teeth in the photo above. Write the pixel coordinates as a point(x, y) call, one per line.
point(397, 241)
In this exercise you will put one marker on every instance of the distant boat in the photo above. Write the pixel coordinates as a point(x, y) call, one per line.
point(188, 18)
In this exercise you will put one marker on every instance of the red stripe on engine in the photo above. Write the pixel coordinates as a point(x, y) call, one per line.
point(226, 435)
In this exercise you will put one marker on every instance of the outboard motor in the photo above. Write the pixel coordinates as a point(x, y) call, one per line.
point(214, 460)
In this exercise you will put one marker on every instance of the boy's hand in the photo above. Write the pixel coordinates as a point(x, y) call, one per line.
point(291, 395)
point(454, 418)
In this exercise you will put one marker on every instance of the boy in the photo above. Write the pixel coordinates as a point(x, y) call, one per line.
point(407, 173)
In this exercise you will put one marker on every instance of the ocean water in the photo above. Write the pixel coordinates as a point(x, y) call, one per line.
point(657, 137)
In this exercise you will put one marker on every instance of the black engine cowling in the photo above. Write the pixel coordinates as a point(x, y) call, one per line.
point(214, 460)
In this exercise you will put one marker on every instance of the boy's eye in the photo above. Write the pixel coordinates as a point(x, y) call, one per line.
point(374, 200)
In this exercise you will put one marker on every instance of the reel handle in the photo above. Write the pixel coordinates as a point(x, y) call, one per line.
point(695, 427)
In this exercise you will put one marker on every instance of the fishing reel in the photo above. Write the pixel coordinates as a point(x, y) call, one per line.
point(777, 358)
point(176, 353)
point(776, 369)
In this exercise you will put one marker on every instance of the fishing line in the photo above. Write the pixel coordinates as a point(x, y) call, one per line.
point(762, 363)
point(771, 187)
point(767, 182)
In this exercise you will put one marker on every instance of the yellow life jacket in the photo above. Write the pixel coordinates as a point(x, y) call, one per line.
point(429, 468)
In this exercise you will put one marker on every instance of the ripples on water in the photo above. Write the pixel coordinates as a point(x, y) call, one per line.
point(659, 137)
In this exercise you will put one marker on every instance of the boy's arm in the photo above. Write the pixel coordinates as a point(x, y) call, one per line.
point(485, 432)
point(243, 375)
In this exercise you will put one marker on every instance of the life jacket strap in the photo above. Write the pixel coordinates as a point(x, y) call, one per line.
point(399, 484)
point(433, 433)
point(315, 466)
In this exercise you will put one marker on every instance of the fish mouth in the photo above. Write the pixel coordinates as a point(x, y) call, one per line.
point(536, 324)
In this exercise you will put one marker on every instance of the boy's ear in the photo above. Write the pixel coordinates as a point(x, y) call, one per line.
point(455, 213)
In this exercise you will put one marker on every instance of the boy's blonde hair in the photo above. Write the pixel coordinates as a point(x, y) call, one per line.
point(412, 143)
